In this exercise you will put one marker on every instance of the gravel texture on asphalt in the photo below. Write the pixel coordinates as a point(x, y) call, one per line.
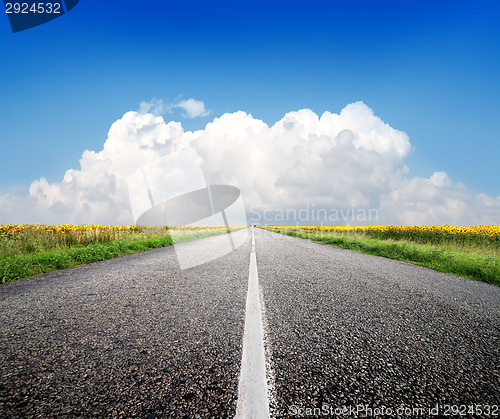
point(130, 337)
point(345, 329)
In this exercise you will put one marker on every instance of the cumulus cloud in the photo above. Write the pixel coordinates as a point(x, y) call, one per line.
point(437, 200)
point(193, 108)
point(341, 166)
point(155, 106)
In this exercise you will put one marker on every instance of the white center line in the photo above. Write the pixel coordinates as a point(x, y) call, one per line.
point(253, 398)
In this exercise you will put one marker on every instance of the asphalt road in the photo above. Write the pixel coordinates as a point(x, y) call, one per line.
point(346, 329)
point(137, 336)
point(134, 336)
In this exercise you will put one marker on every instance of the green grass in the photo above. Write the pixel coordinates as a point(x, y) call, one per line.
point(483, 265)
point(28, 263)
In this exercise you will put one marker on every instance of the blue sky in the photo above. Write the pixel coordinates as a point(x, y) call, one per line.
point(430, 69)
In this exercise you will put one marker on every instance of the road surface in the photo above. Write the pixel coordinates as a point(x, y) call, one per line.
point(137, 336)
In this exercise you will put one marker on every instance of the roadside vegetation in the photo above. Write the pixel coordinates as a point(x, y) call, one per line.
point(472, 252)
point(27, 250)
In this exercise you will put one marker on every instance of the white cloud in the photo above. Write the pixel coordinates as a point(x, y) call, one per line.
point(438, 200)
point(334, 160)
point(346, 161)
point(440, 179)
point(155, 106)
point(193, 108)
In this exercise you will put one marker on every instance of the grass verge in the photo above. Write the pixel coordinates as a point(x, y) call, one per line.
point(475, 265)
point(17, 266)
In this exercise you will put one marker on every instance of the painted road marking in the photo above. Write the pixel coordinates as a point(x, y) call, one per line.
point(253, 398)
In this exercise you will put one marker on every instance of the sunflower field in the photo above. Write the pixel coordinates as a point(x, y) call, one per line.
point(476, 236)
point(34, 238)
point(472, 251)
point(32, 249)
